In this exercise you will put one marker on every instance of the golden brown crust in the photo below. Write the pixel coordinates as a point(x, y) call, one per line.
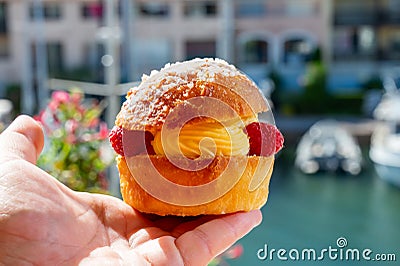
point(239, 198)
point(148, 105)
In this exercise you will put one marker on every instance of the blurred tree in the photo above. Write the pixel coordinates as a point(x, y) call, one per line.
point(315, 97)
point(276, 95)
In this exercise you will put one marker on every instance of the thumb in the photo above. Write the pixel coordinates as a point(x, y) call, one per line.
point(23, 139)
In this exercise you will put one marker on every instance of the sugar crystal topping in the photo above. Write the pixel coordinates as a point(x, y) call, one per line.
point(141, 99)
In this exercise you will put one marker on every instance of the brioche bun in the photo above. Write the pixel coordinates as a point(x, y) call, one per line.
point(147, 108)
point(149, 104)
point(239, 198)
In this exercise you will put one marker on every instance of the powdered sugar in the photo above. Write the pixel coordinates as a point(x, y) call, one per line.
point(142, 100)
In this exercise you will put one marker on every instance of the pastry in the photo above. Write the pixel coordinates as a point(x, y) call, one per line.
point(189, 141)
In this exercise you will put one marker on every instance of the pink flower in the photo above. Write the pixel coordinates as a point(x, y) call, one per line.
point(103, 132)
point(56, 120)
point(94, 122)
point(60, 96)
point(103, 181)
point(76, 96)
point(71, 126)
point(42, 119)
point(70, 139)
point(53, 105)
point(39, 117)
point(57, 98)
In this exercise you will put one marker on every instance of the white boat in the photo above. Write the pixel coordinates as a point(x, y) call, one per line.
point(385, 140)
point(328, 147)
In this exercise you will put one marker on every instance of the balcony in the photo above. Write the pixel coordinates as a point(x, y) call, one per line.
point(367, 16)
point(389, 17)
point(353, 17)
point(276, 8)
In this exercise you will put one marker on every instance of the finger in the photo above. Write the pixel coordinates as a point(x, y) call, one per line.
point(174, 223)
point(210, 239)
point(161, 251)
point(189, 225)
point(23, 139)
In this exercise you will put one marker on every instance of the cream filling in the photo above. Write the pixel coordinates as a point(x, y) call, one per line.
point(205, 138)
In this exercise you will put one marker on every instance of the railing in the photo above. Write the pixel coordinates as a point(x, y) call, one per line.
point(367, 16)
point(281, 8)
point(97, 90)
point(356, 17)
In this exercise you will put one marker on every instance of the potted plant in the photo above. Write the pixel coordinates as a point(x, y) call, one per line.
point(76, 147)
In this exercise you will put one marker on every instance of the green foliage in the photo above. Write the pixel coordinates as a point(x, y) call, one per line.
point(315, 97)
point(76, 151)
point(276, 96)
point(333, 105)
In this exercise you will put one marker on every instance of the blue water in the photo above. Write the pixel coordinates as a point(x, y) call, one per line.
point(312, 212)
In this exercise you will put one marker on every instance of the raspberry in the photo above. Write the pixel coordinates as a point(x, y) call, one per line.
point(115, 138)
point(148, 139)
point(279, 140)
point(135, 142)
point(265, 139)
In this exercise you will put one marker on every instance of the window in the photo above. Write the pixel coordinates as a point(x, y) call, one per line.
point(355, 12)
point(367, 40)
point(55, 57)
point(92, 10)
point(151, 54)
point(392, 51)
point(250, 8)
point(255, 51)
point(54, 51)
point(355, 43)
point(93, 52)
point(392, 11)
point(50, 10)
point(300, 8)
point(3, 18)
point(200, 8)
point(153, 9)
point(200, 49)
point(297, 51)
point(4, 40)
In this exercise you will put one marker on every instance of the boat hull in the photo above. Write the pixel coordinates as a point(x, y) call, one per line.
point(388, 173)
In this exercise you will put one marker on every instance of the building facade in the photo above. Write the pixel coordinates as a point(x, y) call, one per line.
point(256, 35)
point(357, 37)
point(365, 40)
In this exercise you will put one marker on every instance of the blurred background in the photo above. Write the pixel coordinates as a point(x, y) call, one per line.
point(330, 69)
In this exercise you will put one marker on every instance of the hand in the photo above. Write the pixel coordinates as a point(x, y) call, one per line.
point(42, 222)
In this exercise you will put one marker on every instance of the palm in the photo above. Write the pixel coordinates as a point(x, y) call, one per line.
point(43, 222)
